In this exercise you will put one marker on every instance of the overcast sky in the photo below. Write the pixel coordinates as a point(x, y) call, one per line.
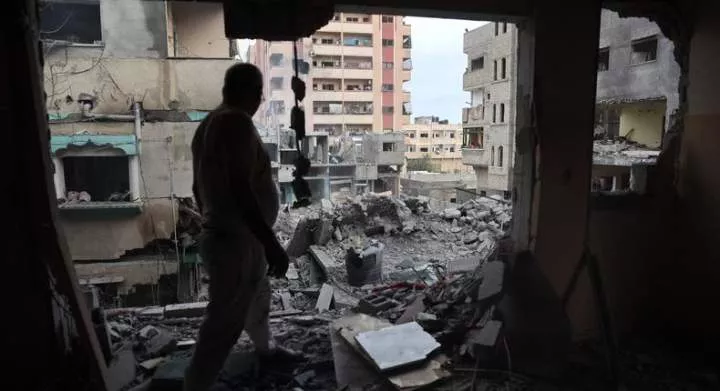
point(438, 64)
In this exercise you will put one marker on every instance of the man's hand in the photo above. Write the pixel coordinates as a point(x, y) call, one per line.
point(278, 261)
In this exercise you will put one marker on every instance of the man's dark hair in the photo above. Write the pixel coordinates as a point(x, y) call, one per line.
point(242, 81)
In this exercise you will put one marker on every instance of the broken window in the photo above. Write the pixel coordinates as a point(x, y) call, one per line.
point(407, 44)
point(387, 19)
point(388, 147)
point(387, 65)
point(473, 138)
point(603, 59)
point(276, 83)
point(406, 108)
point(388, 42)
point(500, 156)
point(503, 68)
point(277, 106)
point(387, 87)
point(477, 63)
point(276, 59)
point(644, 50)
point(407, 64)
point(327, 107)
point(77, 22)
point(99, 176)
point(388, 109)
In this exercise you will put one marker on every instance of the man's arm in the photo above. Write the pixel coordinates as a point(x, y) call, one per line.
point(241, 149)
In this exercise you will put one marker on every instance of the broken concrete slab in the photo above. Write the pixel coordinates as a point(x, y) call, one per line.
point(121, 369)
point(463, 264)
point(416, 307)
point(186, 344)
point(151, 312)
point(185, 310)
point(323, 233)
point(302, 238)
point(286, 299)
point(152, 363)
point(170, 374)
point(325, 300)
point(292, 272)
point(158, 342)
point(486, 336)
point(397, 346)
point(492, 281)
point(452, 213)
point(323, 259)
point(284, 313)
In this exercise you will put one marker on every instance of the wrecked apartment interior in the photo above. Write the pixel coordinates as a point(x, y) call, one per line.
point(585, 291)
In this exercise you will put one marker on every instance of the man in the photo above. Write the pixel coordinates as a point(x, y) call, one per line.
point(239, 203)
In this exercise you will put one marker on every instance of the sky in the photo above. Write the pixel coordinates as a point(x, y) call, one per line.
point(438, 65)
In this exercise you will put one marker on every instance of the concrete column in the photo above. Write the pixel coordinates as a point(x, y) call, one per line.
point(638, 178)
point(134, 162)
point(615, 183)
point(59, 177)
point(564, 90)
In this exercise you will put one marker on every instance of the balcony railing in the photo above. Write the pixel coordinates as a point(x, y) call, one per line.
point(474, 156)
point(472, 114)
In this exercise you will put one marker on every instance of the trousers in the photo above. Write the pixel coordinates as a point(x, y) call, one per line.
point(240, 295)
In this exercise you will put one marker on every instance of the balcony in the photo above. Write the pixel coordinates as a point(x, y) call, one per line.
point(357, 96)
point(474, 157)
point(327, 73)
point(472, 115)
point(474, 79)
point(356, 119)
point(327, 50)
point(366, 74)
point(355, 51)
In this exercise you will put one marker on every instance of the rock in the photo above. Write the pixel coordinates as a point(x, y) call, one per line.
point(327, 206)
point(482, 215)
point(158, 342)
point(338, 235)
point(455, 230)
point(409, 227)
point(451, 213)
point(304, 377)
point(470, 238)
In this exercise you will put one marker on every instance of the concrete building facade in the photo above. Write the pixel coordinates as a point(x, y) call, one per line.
point(435, 142)
point(489, 122)
point(637, 82)
point(127, 83)
point(357, 66)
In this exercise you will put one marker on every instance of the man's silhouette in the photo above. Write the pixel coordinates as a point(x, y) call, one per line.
point(239, 203)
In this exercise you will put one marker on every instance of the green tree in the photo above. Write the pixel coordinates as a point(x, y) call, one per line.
point(423, 164)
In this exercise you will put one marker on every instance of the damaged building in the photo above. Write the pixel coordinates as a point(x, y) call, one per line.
point(582, 291)
point(123, 102)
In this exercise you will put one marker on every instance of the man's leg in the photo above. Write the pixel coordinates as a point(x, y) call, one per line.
point(231, 293)
point(257, 324)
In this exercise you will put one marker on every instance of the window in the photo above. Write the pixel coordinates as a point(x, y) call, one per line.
point(328, 41)
point(366, 19)
point(277, 106)
point(500, 156)
point(504, 27)
point(436, 135)
point(452, 149)
point(407, 44)
point(276, 83)
point(488, 96)
point(452, 134)
point(473, 138)
point(327, 107)
point(387, 87)
point(77, 22)
point(411, 148)
point(423, 149)
point(357, 40)
point(407, 64)
point(495, 70)
point(352, 19)
point(388, 42)
point(502, 112)
point(497, 28)
point(336, 18)
point(387, 19)
point(388, 109)
point(328, 87)
point(423, 135)
point(406, 109)
point(503, 69)
point(644, 50)
point(494, 113)
point(477, 63)
point(603, 59)
point(99, 176)
point(412, 135)
point(276, 59)
point(358, 108)
point(387, 65)
point(492, 156)
point(388, 147)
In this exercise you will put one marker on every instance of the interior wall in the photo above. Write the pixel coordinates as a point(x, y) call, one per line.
point(199, 30)
point(697, 277)
point(643, 123)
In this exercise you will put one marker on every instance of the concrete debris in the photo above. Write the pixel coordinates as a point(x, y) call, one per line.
point(151, 364)
point(492, 282)
point(397, 346)
point(121, 369)
point(486, 336)
point(325, 299)
point(185, 310)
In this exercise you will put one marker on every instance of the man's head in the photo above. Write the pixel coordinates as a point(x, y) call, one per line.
point(243, 87)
